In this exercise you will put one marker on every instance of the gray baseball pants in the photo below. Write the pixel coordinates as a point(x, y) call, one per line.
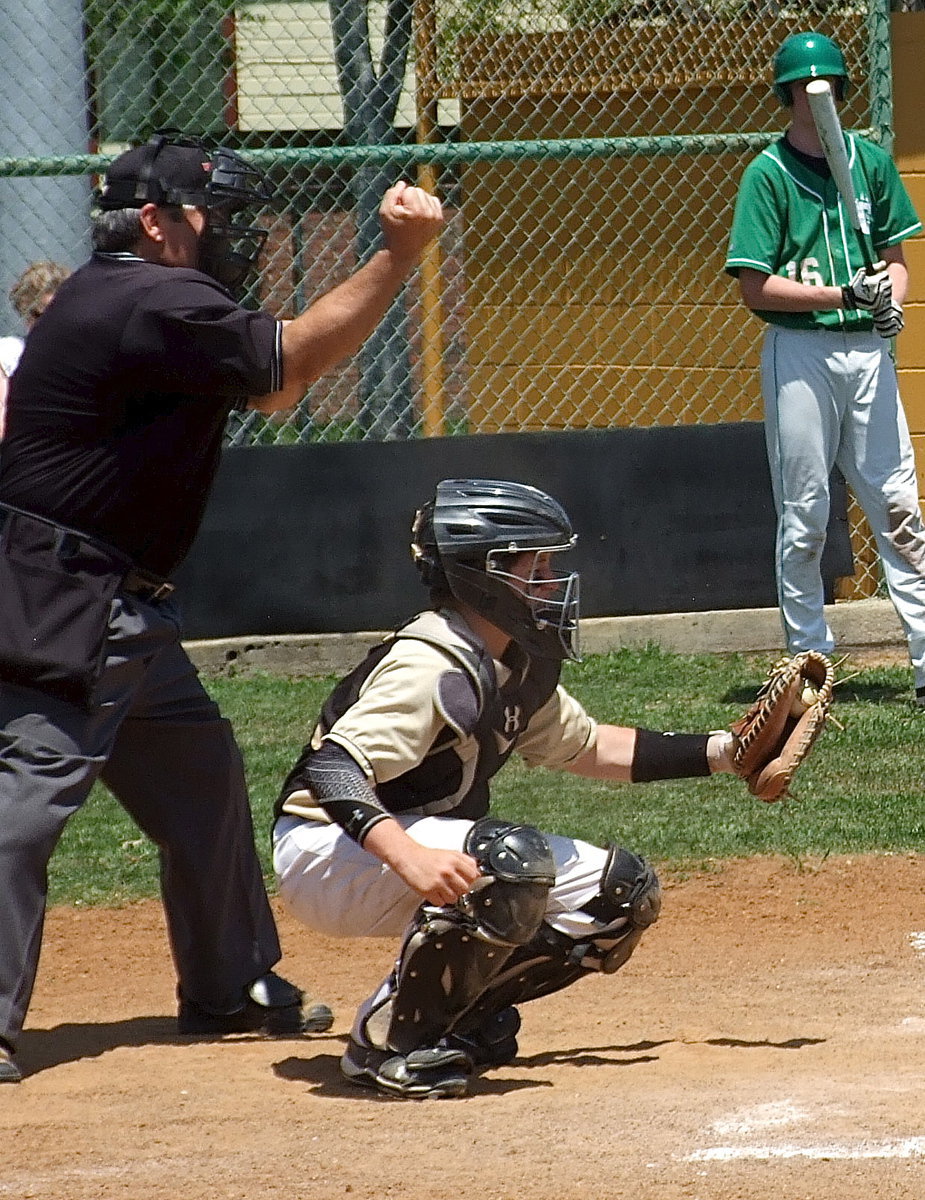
point(832, 398)
point(159, 743)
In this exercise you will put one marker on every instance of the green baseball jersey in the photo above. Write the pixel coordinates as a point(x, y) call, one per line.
point(791, 221)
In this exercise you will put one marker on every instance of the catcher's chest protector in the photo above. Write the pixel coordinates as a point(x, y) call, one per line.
point(504, 711)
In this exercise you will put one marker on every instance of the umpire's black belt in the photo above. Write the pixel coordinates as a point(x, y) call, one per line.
point(146, 586)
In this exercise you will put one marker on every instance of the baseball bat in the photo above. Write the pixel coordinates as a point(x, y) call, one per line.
point(828, 126)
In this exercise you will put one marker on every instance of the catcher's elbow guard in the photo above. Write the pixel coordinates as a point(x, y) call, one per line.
point(774, 737)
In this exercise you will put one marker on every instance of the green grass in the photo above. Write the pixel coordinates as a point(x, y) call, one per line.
point(861, 790)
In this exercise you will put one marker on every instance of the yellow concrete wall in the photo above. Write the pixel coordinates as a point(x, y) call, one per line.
point(566, 332)
point(571, 330)
point(909, 152)
point(567, 327)
point(576, 320)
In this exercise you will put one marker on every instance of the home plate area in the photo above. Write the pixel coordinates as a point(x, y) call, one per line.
point(765, 1042)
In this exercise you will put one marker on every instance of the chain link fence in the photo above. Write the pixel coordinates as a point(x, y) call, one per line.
point(587, 152)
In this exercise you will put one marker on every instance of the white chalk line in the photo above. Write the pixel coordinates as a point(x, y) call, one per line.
point(15, 1180)
point(913, 1147)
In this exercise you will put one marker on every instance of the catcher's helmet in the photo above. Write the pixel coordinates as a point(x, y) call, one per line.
point(808, 56)
point(463, 542)
point(173, 169)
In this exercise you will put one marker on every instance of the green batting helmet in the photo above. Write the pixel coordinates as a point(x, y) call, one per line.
point(807, 56)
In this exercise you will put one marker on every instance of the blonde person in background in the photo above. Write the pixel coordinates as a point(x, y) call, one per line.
point(30, 295)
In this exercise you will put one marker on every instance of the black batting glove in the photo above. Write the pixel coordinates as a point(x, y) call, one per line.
point(868, 291)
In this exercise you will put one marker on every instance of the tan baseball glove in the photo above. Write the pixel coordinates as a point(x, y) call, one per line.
point(774, 737)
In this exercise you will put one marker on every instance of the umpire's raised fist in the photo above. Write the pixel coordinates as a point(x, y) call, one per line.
point(409, 217)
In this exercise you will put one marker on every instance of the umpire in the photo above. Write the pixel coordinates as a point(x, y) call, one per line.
point(114, 432)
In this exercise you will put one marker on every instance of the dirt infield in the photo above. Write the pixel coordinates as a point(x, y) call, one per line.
point(766, 1041)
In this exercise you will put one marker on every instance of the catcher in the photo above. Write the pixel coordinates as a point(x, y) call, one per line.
point(383, 828)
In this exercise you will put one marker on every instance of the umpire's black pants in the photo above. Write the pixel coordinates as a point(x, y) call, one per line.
point(162, 747)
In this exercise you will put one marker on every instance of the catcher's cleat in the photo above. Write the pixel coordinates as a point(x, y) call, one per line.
point(492, 1044)
point(438, 1073)
point(271, 1006)
point(9, 1072)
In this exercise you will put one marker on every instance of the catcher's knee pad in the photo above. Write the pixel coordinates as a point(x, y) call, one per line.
point(452, 954)
point(508, 903)
point(627, 903)
point(630, 892)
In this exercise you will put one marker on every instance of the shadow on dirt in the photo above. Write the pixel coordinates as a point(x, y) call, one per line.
point(596, 1056)
point(322, 1072)
point(796, 1043)
point(322, 1075)
point(42, 1049)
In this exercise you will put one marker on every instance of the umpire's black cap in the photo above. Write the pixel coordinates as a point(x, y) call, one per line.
point(165, 170)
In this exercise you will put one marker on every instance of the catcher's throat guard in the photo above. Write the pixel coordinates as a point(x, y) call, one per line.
point(774, 737)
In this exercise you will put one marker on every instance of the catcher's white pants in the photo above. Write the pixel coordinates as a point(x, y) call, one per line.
point(832, 398)
point(336, 887)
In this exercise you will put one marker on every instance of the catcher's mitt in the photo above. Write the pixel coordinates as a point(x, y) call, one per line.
point(778, 731)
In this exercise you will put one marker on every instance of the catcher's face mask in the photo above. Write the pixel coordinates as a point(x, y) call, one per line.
point(534, 606)
point(551, 598)
point(491, 544)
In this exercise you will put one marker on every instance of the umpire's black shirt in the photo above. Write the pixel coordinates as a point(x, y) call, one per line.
point(116, 411)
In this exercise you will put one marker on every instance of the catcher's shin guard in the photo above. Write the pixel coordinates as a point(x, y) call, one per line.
point(452, 954)
point(626, 905)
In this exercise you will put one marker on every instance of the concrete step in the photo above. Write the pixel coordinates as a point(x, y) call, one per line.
point(868, 626)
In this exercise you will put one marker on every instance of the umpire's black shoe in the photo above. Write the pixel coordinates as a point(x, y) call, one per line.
point(919, 699)
point(9, 1072)
point(271, 1005)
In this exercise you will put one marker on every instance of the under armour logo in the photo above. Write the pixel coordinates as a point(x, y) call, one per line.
point(512, 719)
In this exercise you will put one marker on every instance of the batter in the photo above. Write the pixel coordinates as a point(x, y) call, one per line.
point(828, 379)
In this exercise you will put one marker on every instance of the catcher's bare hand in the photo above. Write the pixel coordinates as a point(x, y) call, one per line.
point(774, 737)
point(438, 876)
